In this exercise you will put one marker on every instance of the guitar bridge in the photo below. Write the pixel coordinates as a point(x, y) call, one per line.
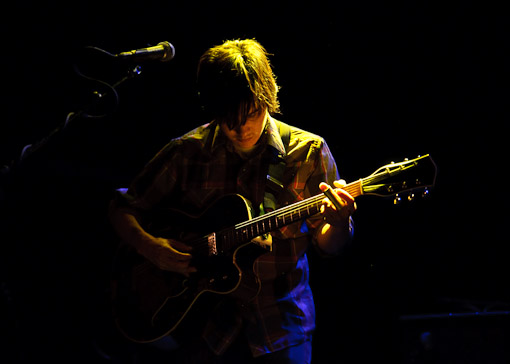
point(211, 244)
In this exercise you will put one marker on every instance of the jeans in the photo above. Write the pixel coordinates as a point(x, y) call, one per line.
point(240, 353)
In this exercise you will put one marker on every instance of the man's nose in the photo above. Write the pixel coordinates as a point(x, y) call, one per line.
point(241, 129)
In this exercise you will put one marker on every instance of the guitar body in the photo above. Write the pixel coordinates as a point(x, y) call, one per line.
point(149, 303)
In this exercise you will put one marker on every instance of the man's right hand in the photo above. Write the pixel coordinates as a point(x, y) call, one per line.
point(166, 254)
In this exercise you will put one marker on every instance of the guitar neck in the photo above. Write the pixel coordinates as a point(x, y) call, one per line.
point(388, 180)
point(279, 218)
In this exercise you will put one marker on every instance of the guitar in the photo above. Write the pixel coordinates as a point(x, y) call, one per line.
point(149, 303)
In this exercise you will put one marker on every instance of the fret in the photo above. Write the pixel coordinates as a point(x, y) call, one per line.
point(225, 241)
point(276, 219)
point(246, 231)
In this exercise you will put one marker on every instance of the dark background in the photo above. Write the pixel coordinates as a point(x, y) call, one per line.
point(379, 82)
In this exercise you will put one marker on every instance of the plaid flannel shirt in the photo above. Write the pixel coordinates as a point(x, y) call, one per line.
point(192, 171)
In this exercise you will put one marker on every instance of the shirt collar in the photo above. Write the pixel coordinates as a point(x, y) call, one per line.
point(273, 139)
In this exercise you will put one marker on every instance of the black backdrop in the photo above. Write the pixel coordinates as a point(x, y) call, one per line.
point(379, 82)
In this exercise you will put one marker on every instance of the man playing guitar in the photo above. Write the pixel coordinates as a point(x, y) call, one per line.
point(243, 151)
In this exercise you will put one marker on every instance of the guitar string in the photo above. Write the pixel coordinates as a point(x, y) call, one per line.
point(354, 188)
point(203, 242)
point(238, 229)
point(290, 211)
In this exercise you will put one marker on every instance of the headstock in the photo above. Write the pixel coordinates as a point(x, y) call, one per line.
point(410, 176)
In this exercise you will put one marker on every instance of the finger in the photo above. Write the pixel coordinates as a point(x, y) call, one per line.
point(340, 183)
point(180, 248)
point(331, 195)
point(344, 195)
point(326, 203)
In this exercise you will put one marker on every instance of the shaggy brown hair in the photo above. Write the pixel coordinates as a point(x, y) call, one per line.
point(235, 79)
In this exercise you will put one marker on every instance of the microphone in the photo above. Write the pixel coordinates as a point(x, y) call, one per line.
point(163, 52)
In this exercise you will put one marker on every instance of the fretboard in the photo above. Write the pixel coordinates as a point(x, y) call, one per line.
point(250, 229)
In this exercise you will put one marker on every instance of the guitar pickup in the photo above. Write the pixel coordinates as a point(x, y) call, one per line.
point(211, 244)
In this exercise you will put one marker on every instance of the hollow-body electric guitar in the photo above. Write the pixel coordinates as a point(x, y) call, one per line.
point(149, 303)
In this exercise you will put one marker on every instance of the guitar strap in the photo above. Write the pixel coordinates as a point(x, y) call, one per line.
point(274, 184)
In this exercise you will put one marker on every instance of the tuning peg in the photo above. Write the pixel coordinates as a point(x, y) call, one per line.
point(397, 200)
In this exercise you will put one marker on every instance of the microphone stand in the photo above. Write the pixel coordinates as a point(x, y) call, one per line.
point(103, 101)
point(99, 98)
point(43, 196)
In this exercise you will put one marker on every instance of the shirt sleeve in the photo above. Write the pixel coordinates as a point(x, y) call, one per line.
point(325, 171)
point(157, 180)
point(311, 163)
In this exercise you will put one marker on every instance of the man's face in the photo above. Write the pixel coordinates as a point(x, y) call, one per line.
point(244, 137)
